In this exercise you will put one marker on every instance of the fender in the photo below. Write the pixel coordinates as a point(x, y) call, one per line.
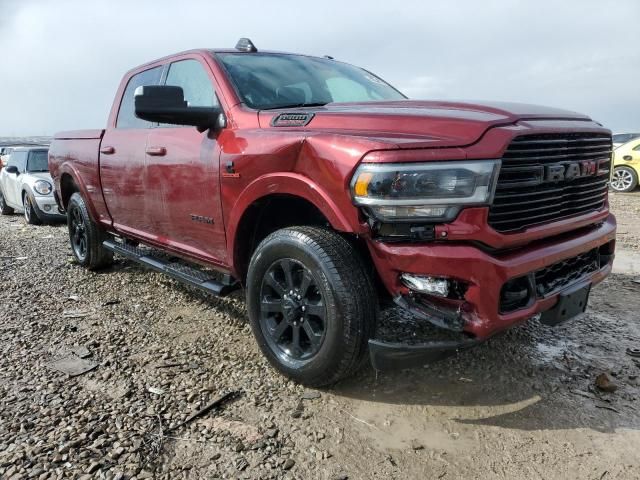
point(87, 193)
point(288, 183)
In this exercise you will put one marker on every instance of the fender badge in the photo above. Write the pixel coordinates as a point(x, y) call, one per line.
point(291, 119)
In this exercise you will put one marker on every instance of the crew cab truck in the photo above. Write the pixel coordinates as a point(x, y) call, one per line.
point(323, 191)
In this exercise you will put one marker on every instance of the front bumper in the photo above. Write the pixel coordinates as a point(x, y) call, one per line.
point(48, 208)
point(485, 274)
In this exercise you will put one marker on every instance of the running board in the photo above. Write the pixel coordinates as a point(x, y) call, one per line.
point(179, 271)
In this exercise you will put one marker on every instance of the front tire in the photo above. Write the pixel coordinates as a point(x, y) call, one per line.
point(624, 179)
point(311, 304)
point(85, 236)
point(4, 208)
point(30, 210)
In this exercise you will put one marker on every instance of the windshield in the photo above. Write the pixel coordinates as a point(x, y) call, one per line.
point(38, 161)
point(267, 80)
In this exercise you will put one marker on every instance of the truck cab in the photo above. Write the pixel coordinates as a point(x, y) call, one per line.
point(324, 192)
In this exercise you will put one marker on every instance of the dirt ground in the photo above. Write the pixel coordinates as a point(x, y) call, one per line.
point(521, 406)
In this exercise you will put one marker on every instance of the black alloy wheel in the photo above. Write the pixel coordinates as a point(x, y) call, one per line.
point(86, 237)
point(78, 234)
point(311, 303)
point(293, 312)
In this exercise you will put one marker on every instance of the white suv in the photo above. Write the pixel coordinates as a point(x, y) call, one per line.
point(26, 186)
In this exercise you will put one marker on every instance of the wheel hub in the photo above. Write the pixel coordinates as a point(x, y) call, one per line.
point(291, 308)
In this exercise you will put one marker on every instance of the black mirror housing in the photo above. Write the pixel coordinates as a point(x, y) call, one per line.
point(166, 104)
point(12, 169)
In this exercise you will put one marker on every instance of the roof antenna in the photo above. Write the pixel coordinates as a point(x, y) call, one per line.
point(329, 57)
point(246, 45)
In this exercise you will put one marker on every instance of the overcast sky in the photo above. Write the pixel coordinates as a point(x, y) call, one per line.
point(61, 61)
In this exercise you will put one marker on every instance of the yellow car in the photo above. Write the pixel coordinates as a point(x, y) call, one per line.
point(626, 166)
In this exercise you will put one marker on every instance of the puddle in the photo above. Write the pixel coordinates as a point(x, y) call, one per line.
point(551, 352)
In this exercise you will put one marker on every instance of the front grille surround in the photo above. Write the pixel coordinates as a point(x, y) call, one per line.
point(521, 292)
point(525, 195)
point(552, 279)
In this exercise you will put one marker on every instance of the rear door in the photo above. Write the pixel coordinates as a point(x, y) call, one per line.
point(183, 172)
point(122, 162)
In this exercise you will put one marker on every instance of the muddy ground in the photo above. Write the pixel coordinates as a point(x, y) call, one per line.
point(523, 405)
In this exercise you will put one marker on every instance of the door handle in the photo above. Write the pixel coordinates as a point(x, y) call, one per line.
point(107, 150)
point(156, 151)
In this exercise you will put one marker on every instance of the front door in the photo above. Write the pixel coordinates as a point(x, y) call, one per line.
point(183, 173)
point(12, 182)
point(122, 163)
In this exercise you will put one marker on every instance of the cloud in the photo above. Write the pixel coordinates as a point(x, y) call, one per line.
point(62, 61)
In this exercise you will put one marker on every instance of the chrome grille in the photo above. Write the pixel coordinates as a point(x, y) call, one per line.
point(528, 194)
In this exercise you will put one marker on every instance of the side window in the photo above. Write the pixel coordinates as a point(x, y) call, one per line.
point(126, 114)
point(19, 159)
point(13, 159)
point(195, 83)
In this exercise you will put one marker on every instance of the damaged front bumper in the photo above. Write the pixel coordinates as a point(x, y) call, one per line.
point(544, 271)
point(391, 356)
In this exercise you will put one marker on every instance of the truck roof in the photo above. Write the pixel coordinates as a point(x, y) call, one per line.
point(213, 51)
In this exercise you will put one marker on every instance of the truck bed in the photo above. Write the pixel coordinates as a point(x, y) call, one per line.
point(75, 155)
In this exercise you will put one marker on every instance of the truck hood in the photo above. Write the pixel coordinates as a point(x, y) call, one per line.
point(416, 124)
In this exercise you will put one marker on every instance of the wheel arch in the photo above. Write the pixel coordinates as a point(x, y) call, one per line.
point(264, 216)
point(299, 198)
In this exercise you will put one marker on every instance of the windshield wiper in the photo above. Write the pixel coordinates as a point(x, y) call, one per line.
point(298, 105)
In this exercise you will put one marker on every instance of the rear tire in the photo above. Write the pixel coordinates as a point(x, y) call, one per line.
point(624, 179)
point(30, 210)
point(311, 303)
point(86, 237)
point(4, 208)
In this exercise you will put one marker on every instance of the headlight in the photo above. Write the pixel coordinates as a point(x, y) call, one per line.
point(434, 190)
point(43, 187)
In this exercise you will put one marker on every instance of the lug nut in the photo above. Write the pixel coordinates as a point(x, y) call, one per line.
point(290, 292)
point(303, 308)
point(299, 297)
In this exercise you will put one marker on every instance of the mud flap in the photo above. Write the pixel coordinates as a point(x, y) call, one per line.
point(571, 302)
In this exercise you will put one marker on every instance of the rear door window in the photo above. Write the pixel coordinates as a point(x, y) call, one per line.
point(126, 114)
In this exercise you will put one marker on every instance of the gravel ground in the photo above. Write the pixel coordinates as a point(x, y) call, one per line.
point(523, 405)
point(626, 207)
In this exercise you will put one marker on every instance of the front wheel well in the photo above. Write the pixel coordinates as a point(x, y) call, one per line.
point(271, 213)
point(265, 216)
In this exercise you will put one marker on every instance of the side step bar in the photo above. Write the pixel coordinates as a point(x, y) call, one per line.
point(179, 271)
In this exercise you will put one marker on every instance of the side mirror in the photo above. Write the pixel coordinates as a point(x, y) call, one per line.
point(166, 104)
point(12, 169)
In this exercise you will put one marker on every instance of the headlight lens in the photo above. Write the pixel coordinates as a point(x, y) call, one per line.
point(43, 187)
point(434, 190)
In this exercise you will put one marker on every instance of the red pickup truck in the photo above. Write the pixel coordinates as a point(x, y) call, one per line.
point(323, 191)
